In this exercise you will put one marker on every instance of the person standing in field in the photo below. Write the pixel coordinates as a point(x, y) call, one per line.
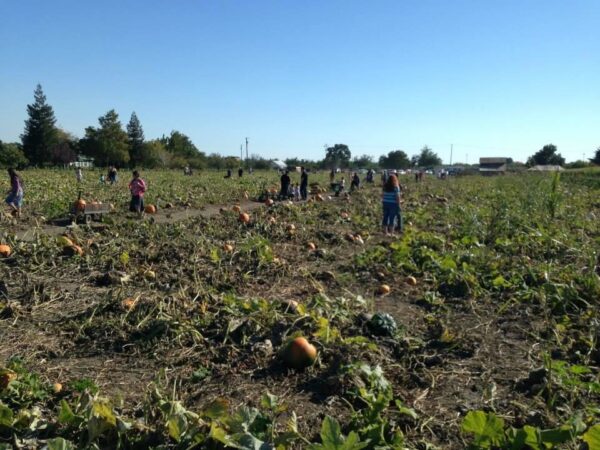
point(304, 184)
point(112, 175)
point(391, 204)
point(355, 183)
point(332, 176)
point(137, 187)
point(285, 185)
point(15, 194)
point(79, 175)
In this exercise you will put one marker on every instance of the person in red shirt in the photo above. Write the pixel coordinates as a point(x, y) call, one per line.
point(137, 187)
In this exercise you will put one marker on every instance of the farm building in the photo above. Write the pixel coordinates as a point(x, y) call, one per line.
point(545, 168)
point(278, 164)
point(492, 166)
point(83, 161)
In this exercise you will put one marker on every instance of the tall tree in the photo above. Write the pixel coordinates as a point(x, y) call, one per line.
point(107, 144)
point(428, 158)
point(135, 135)
point(546, 156)
point(396, 159)
point(40, 129)
point(337, 156)
point(596, 158)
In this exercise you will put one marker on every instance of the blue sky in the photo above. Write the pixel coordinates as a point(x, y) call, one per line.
point(494, 78)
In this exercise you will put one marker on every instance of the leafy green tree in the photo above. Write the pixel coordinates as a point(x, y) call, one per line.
point(428, 158)
point(396, 159)
point(596, 158)
point(64, 151)
point(363, 162)
point(135, 135)
point(337, 156)
point(152, 154)
point(11, 155)
point(108, 144)
point(546, 156)
point(183, 149)
point(40, 130)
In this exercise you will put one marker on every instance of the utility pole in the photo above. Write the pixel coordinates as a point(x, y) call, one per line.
point(451, 149)
point(246, 152)
point(241, 155)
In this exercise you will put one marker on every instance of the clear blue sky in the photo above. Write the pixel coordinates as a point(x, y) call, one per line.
point(495, 78)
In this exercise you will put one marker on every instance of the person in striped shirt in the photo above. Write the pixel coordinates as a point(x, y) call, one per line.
point(391, 204)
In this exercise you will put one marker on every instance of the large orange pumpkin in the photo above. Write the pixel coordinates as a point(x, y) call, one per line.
point(150, 209)
point(79, 205)
point(300, 353)
point(245, 218)
point(5, 250)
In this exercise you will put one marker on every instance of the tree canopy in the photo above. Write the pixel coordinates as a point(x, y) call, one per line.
point(396, 159)
point(108, 144)
point(40, 133)
point(183, 149)
point(427, 158)
point(546, 156)
point(337, 156)
point(596, 158)
point(11, 155)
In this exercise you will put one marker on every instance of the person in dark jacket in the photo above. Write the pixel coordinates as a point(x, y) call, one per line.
point(285, 185)
point(304, 184)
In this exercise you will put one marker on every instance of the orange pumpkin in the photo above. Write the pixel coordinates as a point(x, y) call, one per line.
point(228, 248)
point(79, 205)
point(384, 289)
point(5, 250)
point(128, 303)
point(150, 209)
point(300, 353)
point(269, 202)
point(244, 218)
point(411, 280)
point(311, 246)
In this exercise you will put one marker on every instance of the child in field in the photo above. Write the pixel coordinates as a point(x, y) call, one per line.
point(137, 187)
point(296, 192)
point(15, 195)
point(79, 175)
point(391, 204)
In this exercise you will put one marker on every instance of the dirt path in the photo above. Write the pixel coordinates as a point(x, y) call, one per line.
point(162, 216)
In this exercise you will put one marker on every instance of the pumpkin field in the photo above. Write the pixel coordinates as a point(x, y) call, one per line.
point(225, 321)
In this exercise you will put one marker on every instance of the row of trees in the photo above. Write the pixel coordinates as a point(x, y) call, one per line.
point(43, 143)
point(339, 155)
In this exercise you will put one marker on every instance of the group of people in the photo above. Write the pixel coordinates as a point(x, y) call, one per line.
point(392, 214)
point(296, 191)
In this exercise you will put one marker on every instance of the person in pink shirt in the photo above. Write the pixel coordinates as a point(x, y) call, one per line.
point(137, 186)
